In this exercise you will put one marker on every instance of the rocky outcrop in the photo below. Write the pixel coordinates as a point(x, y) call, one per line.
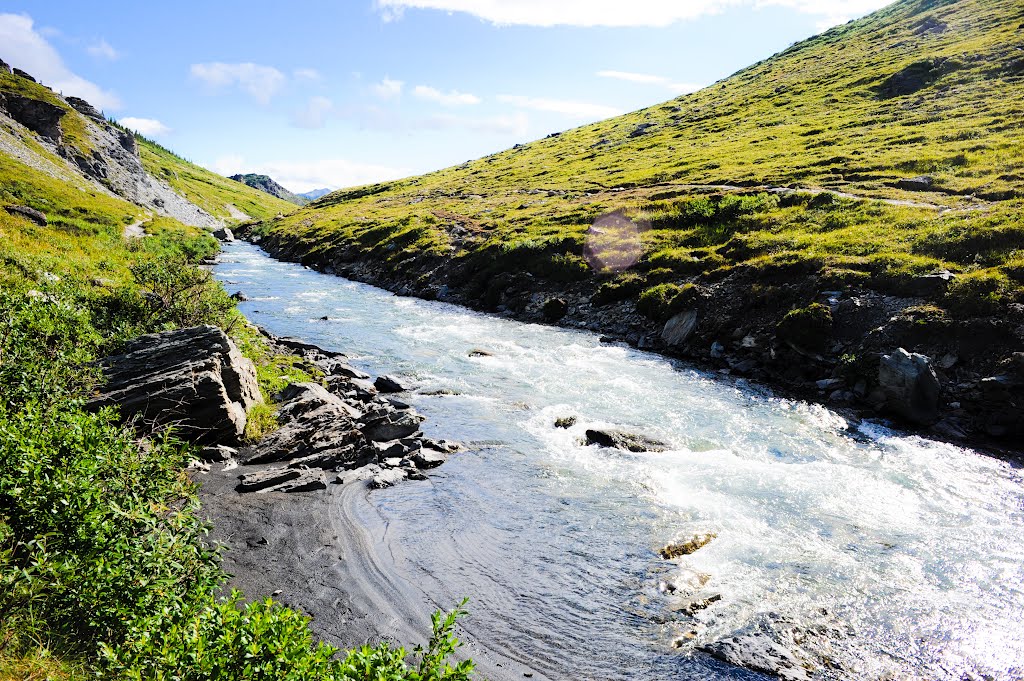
point(909, 386)
point(23, 74)
point(347, 427)
point(38, 116)
point(266, 184)
point(86, 109)
point(194, 379)
point(32, 214)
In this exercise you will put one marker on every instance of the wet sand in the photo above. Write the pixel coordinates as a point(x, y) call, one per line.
point(328, 554)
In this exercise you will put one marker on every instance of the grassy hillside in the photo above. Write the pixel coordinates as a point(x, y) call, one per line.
point(922, 87)
point(212, 192)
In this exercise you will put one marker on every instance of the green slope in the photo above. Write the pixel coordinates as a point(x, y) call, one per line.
point(921, 87)
point(212, 192)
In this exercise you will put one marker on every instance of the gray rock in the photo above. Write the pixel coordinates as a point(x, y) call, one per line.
point(758, 652)
point(678, 329)
point(830, 384)
point(23, 74)
point(36, 115)
point(193, 378)
point(314, 423)
point(4, 67)
point(623, 440)
point(930, 285)
point(32, 214)
point(218, 453)
point(388, 477)
point(394, 427)
point(223, 234)
point(717, 350)
point(387, 384)
point(337, 367)
point(86, 109)
point(920, 183)
point(282, 480)
point(910, 386)
point(429, 458)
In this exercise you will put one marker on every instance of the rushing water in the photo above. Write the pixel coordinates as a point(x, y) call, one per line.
point(909, 552)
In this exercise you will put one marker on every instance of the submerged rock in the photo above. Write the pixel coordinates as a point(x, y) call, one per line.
point(758, 652)
point(193, 378)
point(619, 439)
point(685, 548)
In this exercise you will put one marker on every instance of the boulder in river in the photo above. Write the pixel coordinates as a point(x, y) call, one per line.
point(193, 378)
point(223, 234)
point(910, 386)
point(620, 439)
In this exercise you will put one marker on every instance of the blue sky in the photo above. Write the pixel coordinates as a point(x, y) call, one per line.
point(331, 93)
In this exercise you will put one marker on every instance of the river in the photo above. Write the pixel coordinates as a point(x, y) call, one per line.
point(908, 552)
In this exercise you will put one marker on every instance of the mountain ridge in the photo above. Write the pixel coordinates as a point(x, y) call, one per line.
point(266, 184)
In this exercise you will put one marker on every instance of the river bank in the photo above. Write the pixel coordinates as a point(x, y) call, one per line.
point(967, 387)
point(557, 543)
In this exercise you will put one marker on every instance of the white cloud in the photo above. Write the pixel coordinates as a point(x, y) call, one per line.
point(314, 114)
point(302, 176)
point(261, 82)
point(650, 79)
point(388, 89)
point(306, 74)
point(27, 49)
point(451, 98)
point(566, 107)
point(101, 49)
point(515, 125)
point(615, 12)
point(150, 127)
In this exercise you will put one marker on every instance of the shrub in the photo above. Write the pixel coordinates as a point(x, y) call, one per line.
point(662, 301)
point(179, 294)
point(809, 327)
point(621, 288)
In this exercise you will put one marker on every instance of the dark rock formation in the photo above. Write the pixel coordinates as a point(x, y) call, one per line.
point(4, 67)
point(38, 116)
point(387, 384)
point(265, 184)
point(622, 440)
point(679, 328)
point(554, 309)
point(685, 548)
point(86, 109)
point(195, 379)
point(32, 214)
point(22, 74)
point(315, 425)
point(223, 234)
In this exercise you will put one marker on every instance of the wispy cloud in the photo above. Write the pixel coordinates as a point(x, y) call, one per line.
point(306, 74)
point(260, 82)
point(650, 79)
point(150, 127)
point(302, 176)
point(616, 12)
point(450, 98)
point(314, 114)
point(388, 89)
point(101, 49)
point(566, 107)
point(516, 125)
point(28, 49)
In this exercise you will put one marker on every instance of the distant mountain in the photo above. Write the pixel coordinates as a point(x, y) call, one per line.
point(315, 194)
point(266, 184)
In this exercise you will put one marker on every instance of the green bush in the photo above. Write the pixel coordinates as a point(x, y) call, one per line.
point(662, 301)
point(808, 327)
point(263, 641)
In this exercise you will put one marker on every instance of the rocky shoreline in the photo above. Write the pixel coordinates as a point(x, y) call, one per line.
point(862, 352)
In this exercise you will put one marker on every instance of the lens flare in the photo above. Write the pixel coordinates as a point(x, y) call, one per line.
point(613, 243)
